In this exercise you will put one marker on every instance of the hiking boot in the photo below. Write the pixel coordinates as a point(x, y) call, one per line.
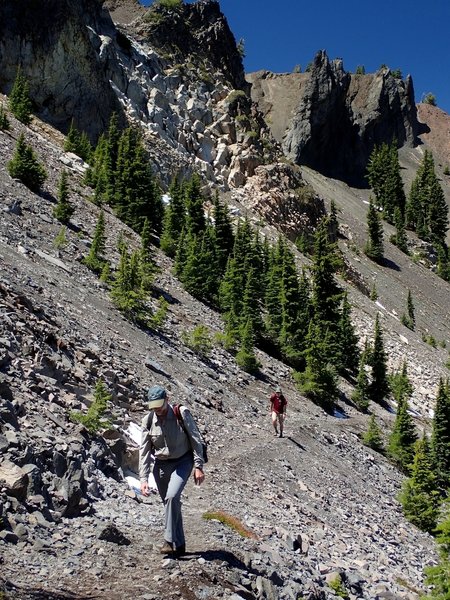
point(179, 551)
point(275, 434)
point(166, 548)
point(281, 435)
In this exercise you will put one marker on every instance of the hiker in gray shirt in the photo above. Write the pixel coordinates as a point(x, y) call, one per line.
point(170, 446)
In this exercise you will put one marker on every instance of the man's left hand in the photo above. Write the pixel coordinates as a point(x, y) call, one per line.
point(199, 476)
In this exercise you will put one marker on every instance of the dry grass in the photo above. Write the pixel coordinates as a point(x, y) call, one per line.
point(231, 522)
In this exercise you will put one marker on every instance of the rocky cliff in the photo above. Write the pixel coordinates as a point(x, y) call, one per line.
point(330, 120)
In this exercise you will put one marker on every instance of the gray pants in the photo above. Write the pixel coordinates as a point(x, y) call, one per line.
point(171, 476)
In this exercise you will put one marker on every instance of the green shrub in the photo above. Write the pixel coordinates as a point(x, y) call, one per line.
point(93, 420)
point(373, 437)
point(25, 166)
point(198, 340)
point(60, 240)
point(170, 3)
point(158, 319)
point(337, 585)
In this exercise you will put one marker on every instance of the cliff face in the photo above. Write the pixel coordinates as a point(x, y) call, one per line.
point(58, 44)
point(337, 118)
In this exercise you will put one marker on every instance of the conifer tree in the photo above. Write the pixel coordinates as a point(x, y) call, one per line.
point(25, 166)
point(127, 291)
point(223, 233)
point(295, 312)
point(174, 219)
point(427, 211)
point(63, 210)
point(409, 318)
point(400, 384)
point(181, 253)
point(95, 260)
point(379, 385)
point(200, 273)
point(245, 357)
point(400, 239)
point(232, 331)
point(440, 439)
point(374, 246)
point(272, 300)
point(419, 497)
point(78, 143)
point(19, 99)
point(136, 194)
point(93, 420)
point(384, 178)
point(361, 395)
point(403, 438)
point(326, 294)
point(443, 262)
point(4, 122)
point(195, 219)
point(348, 340)
point(373, 437)
point(318, 381)
point(438, 576)
point(251, 308)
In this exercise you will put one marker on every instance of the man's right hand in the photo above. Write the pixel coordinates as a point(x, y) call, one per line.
point(145, 489)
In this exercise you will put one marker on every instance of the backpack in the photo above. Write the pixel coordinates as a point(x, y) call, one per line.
point(177, 410)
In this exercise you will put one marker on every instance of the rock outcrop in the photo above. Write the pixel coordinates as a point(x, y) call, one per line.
point(60, 46)
point(337, 117)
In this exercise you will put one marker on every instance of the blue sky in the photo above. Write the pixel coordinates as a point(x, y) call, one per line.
point(409, 35)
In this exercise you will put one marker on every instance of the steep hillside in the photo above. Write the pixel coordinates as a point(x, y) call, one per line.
point(317, 501)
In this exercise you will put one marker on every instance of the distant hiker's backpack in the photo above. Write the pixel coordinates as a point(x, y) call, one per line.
point(177, 411)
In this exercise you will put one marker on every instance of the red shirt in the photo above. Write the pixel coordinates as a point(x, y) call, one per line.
point(278, 402)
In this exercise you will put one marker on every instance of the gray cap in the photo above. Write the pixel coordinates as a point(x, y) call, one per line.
point(278, 389)
point(156, 396)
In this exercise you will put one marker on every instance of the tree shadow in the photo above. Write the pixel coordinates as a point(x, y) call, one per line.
point(390, 264)
point(291, 439)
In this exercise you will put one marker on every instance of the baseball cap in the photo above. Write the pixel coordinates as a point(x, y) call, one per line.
point(156, 396)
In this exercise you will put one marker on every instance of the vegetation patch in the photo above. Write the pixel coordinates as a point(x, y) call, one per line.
point(231, 522)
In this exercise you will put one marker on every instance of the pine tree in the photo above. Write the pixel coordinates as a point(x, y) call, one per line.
point(400, 384)
point(438, 576)
point(174, 219)
point(440, 439)
point(361, 395)
point(348, 340)
point(136, 194)
point(379, 385)
point(94, 260)
point(419, 496)
point(195, 220)
point(246, 358)
point(374, 246)
point(318, 381)
point(383, 174)
point(127, 291)
point(19, 99)
point(427, 211)
point(409, 319)
point(93, 420)
point(200, 273)
point(63, 210)
point(403, 438)
point(25, 166)
point(148, 266)
point(4, 122)
point(78, 143)
point(223, 233)
point(373, 437)
point(400, 239)
point(251, 307)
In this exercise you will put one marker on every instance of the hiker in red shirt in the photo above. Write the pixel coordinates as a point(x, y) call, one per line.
point(278, 409)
